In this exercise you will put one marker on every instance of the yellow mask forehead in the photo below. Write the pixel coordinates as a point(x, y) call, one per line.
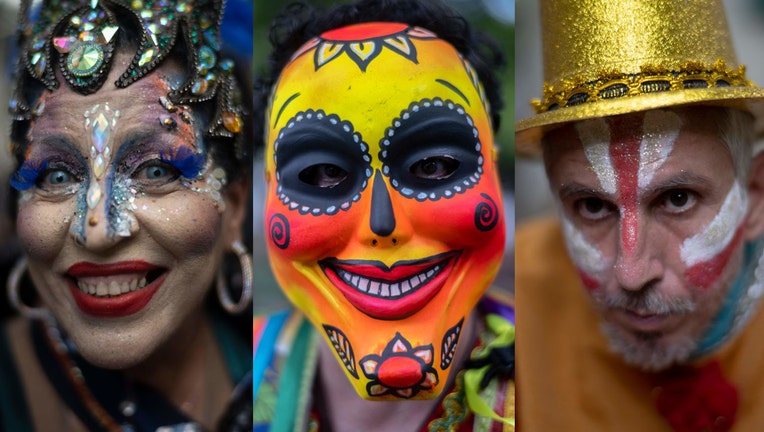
point(369, 81)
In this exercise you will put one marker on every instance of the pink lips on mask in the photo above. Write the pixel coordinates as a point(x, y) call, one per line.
point(132, 285)
point(390, 293)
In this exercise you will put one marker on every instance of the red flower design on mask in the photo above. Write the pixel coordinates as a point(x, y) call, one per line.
point(697, 399)
point(400, 370)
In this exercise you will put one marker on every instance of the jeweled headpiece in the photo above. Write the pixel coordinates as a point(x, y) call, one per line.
point(79, 37)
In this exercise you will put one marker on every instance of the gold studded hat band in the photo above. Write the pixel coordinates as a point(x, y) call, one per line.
point(607, 57)
point(78, 38)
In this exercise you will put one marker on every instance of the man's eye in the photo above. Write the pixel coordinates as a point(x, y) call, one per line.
point(323, 175)
point(593, 208)
point(678, 201)
point(435, 168)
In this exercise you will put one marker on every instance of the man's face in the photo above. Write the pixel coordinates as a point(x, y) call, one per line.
point(653, 219)
point(383, 208)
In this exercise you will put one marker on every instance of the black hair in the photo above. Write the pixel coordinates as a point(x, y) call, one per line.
point(300, 22)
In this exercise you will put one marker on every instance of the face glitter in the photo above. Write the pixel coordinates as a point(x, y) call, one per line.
point(215, 181)
point(121, 205)
point(595, 137)
point(660, 130)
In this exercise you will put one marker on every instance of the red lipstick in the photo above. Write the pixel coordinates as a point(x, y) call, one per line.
point(114, 306)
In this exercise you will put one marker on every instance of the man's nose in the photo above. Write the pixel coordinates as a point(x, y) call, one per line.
point(636, 264)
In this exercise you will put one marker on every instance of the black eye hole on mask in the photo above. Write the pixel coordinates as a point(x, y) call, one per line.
point(432, 151)
point(322, 165)
point(323, 175)
point(435, 167)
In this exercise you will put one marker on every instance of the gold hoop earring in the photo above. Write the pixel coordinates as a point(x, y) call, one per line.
point(247, 277)
point(12, 288)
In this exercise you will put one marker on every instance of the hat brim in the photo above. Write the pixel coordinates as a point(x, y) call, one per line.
point(529, 131)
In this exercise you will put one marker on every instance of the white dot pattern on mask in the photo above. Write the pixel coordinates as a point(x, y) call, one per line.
point(347, 128)
point(416, 107)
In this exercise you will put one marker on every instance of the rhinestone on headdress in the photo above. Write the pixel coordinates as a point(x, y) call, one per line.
point(80, 36)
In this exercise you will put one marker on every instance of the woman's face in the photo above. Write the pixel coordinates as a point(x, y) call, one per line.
point(122, 216)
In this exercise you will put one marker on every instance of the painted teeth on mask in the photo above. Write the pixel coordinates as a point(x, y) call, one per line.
point(388, 290)
point(111, 289)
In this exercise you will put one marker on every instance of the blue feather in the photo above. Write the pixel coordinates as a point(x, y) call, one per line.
point(189, 164)
point(26, 176)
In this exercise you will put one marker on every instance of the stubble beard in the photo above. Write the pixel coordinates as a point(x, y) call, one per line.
point(648, 351)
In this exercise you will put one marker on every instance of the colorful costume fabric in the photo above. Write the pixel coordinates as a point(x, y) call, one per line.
point(579, 385)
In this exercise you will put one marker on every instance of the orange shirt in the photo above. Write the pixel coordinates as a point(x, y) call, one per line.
point(568, 380)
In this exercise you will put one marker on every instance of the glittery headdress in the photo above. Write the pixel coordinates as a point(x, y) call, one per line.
point(609, 57)
point(78, 37)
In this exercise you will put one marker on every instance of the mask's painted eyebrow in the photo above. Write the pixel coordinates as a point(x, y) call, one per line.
point(454, 89)
point(283, 106)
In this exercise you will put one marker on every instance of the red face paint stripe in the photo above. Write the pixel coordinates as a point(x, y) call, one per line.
point(705, 273)
point(589, 281)
point(625, 157)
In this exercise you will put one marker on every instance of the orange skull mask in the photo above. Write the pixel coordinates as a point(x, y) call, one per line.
point(383, 204)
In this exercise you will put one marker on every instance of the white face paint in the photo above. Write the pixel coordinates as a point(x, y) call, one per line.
point(595, 137)
point(585, 255)
point(718, 234)
point(660, 129)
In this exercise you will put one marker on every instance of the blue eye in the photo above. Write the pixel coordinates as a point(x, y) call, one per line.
point(156, 172)
point(55, 177)
point(58, 177)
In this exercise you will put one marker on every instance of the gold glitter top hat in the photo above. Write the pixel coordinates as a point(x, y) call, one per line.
point(610, 57)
